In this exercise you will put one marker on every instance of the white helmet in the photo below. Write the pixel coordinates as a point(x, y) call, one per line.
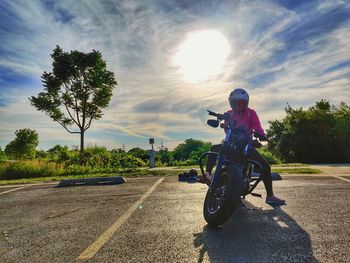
point(239, 99)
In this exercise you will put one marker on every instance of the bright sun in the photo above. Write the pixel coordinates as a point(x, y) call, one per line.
point(202, 55)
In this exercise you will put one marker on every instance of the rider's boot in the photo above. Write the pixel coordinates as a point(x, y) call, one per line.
point(274, 200)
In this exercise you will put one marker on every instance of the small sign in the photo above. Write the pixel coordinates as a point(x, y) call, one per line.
point(151, 141)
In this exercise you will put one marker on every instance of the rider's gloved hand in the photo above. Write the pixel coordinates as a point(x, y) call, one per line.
point(226, 116)
point(262, 137)
point(256, 144)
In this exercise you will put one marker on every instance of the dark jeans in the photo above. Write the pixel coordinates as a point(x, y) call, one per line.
point(254, 155)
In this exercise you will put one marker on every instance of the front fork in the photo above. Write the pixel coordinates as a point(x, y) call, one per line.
point(221, 160)
point(215, 179)
point(253, 183)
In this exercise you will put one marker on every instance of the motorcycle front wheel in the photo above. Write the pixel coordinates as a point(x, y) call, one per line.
point(221, 202)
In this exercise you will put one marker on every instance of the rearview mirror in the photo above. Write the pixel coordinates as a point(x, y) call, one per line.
point(213, 123)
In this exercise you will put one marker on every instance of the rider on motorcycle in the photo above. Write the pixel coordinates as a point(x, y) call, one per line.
point(247, 118)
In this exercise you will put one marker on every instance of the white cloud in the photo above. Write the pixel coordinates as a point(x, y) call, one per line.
point(138, 39)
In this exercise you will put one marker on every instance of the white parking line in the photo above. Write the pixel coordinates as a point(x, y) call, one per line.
point(318, 175)
point(341, 178)
point(12, 190)
point(27, 185)
point(101, 240)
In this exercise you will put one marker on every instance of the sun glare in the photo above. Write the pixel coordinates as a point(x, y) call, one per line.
point(202, 55)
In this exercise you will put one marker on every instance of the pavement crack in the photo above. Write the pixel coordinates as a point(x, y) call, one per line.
point(48, 217)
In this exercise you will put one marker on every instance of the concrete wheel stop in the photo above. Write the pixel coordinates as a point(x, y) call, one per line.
point(92, 181)
point(276, 176)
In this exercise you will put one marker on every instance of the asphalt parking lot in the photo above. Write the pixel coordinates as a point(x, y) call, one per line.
point(160, 220)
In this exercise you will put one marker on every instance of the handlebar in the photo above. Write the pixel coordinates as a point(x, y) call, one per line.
point(260, 137)
point(218, 115)
point(221, 117)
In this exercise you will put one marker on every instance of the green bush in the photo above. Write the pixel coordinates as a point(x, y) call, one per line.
point(140, 153)
point(130, 163)
point(190, 150)
point(41, 155)
point(318, 134)
point(97, 156)
point(75, 169)
point(3, 156)
point(29, 169)
point(60, 153)
point(269, 157)
point(164, 157)
point(3, 166)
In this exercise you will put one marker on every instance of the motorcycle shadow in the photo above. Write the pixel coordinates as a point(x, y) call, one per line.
point(255, 236)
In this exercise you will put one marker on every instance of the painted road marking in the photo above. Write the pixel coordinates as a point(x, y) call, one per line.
point(12, 190)
point(27, 185)
point(317, 175)
point(341, 178)
point(91, 251)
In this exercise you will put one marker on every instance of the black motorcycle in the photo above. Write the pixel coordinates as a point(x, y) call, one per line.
point(235, 174)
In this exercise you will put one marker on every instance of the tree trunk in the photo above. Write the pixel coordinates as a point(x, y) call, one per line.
point(81, 146)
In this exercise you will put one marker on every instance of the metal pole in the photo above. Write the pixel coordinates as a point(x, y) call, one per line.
point(152, 162)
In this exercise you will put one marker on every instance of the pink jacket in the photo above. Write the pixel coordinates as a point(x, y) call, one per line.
point(247, 119)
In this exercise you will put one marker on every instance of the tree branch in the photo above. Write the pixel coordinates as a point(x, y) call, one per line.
point(64, 126)
point(72, 116)
point(84, 102)
point(88, 126)
point(77, 112)
point(76, 106)
point(78, 121)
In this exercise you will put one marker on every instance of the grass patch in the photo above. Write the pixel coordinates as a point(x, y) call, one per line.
point(49, 179)
point(173, 171)
point(291, 165)
point(127, 174)
point(296, 170)
point(29, 169)
point(187, 167)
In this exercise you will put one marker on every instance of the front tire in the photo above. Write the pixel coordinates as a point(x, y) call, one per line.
point(220, 203)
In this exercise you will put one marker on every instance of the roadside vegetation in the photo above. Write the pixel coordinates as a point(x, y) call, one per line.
point(143, 172)
point(291, 165)
point(81, 84)
point(21, 161)
point(297, 170)
point(319, 134)
point(62, 162)
point(128, 174)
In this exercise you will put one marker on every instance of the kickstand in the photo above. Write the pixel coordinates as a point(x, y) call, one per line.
point(256, 195)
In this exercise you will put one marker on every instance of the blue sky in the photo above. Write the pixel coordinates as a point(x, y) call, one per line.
point(291, 51)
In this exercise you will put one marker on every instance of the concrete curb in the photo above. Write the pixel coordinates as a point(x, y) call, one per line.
point(92, 181)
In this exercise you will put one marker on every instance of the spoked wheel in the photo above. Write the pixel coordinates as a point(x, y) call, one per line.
point(221, 202)
point(216, 197)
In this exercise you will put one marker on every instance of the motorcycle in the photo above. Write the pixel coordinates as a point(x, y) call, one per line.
point(235, 175)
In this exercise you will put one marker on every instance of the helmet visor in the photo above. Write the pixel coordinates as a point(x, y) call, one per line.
point(239, 105)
